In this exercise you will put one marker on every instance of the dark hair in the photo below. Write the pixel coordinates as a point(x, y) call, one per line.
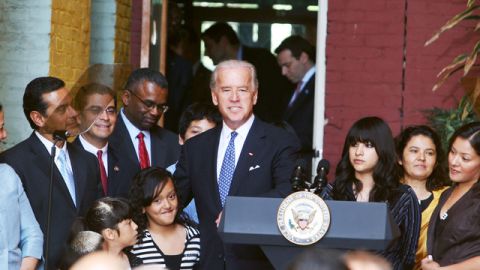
point(313, 259)
point(146, 186)
point(1, 107)
point(469, 132)
point(438, 178)
point(90, 89)
point(198, 111)
point(375, 131)
point(219, 30)
point(32, 98)
point(140, 75)
point(106, 213)
point(297, 45)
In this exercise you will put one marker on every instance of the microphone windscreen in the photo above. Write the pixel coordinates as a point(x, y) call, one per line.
point(323, 164)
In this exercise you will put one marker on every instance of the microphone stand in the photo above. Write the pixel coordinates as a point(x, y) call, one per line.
point(57, 137)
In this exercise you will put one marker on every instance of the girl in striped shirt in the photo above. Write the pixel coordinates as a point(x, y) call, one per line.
point(167, 237)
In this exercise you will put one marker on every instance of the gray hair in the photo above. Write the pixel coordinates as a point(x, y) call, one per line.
point(234, 64)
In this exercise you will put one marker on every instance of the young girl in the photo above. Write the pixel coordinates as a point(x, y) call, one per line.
point(112, 218)
point(454, 233)
point(367, 172)
point(167, 237)
point(420, 154)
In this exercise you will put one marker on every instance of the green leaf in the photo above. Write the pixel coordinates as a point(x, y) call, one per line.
point(452, 22)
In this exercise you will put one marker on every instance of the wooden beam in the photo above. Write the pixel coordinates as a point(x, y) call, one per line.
point(145, 36)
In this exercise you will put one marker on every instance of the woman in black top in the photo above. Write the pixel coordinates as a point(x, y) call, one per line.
point(368, 172)
point(453, 240)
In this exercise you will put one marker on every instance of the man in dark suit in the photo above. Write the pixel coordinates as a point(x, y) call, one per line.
point(221, 43)
point(243, 157)
point(47, 106)
point(296, 57)
point(137, 139)
point(97, 106)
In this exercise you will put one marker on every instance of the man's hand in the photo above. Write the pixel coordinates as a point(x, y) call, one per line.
point(429, 264)
point(217, 221)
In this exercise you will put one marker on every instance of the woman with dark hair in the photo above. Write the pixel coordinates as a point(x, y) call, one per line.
point(112, 218)
point(420, 154)
point(167, 237)
point(367, 172)
point(454, 234)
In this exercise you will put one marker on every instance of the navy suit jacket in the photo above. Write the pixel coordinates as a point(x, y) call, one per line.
point(113, 168)
point(164, 151)
point(274, 150)
point(31, 161)
point(300, 115)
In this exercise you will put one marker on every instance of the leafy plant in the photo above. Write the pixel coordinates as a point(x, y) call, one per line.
point(446, 121)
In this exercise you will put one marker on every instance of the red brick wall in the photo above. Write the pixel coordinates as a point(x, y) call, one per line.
point(365, 45)
point(135, 38)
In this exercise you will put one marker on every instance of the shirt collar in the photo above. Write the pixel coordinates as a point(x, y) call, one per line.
point(90, 147)
point(307, 76)
point(242, 130)
point(132, 129)
point(48, 144)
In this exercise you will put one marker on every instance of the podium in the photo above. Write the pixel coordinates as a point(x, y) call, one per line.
point(353, 225)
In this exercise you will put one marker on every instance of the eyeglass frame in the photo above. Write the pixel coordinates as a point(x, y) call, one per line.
point(163, 108)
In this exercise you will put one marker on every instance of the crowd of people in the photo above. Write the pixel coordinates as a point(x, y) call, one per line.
point(145, 196)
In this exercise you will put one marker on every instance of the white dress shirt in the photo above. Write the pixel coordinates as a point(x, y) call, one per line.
point(133, 132)
point(93, 149)
point(239, 141)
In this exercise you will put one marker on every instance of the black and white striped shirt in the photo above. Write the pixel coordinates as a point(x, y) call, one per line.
point(147, 252)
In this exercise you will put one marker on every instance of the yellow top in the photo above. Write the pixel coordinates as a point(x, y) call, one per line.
point(422, 240)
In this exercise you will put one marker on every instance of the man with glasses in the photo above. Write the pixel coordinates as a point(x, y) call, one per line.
point(97, 105)
point(137, 139)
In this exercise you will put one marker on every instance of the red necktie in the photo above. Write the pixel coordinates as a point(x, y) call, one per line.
point(103, 173)
point(142, 152)
point(295, 93)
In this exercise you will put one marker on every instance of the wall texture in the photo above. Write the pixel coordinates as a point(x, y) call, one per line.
point(377, 65)
point(70, 39)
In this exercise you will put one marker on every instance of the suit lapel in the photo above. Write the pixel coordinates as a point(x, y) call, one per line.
point(157, 151)
point(251, 149)
point(306, 94)
point(79, 173)
point(212, 150)
point(42, 160)
point(121, 139)
point(113, 169)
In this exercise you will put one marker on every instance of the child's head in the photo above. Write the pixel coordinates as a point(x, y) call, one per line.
point(112, 218)
point(369, 149)
point(154, 198)
point(197, 118)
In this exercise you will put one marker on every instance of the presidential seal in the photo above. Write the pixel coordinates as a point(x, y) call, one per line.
point(303, 218)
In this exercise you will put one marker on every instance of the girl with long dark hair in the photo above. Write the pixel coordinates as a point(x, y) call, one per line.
point(368, 172)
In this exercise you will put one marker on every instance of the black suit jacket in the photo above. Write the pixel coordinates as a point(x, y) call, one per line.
point(263, 170)
point(31, 161)
point(274, 89)
point(113, 168)
point(300, 115)
point(164, 151)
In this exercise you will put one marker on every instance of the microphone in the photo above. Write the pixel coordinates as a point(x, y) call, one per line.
point(321, 179)
point(298, 176)
point(60, 135)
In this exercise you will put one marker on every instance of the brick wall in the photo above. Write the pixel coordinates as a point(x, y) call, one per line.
point(24, 50)
point(70, 39)
point(365, 52)
point(122, 31)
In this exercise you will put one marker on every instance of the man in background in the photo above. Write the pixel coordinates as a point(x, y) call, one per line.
point(296, 58)
point(136, 137)
point(222, 43)
point(97, 105)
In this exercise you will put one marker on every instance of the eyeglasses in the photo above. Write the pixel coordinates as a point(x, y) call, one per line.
point(163, 108)
point(98, 110)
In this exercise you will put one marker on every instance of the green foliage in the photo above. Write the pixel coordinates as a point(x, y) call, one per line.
point(446, 121)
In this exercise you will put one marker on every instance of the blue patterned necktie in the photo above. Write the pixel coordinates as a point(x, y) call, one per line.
point(228, 167)
point(67, 177)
